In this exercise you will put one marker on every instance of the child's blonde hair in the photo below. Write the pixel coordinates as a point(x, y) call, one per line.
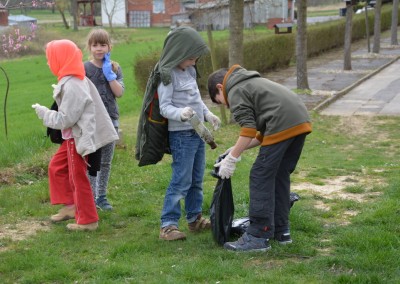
point(100, 36)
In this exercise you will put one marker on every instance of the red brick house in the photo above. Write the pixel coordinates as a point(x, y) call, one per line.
point(168, 13)
point(155, 13)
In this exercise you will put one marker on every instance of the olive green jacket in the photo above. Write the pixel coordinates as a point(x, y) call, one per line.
point(264, 109)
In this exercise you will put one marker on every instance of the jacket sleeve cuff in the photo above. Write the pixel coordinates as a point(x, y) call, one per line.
point(259, 137)
point(248, 132)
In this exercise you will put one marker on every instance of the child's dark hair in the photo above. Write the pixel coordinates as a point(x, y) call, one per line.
point(217, 77)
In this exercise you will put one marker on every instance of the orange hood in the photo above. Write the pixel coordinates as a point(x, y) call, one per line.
point(65, 59)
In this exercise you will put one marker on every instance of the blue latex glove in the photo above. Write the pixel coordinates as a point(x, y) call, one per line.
point(107, 68)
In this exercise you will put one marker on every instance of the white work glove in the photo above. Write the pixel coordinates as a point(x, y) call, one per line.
point(226, 166)
point(40, 110)
point(186, 113)
point(214, 120)
point(228, 151)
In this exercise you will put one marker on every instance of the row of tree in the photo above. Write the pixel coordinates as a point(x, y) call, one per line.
point(236, 35)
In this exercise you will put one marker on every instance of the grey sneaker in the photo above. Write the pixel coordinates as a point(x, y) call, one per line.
point(283, 239)
point(103, 204)
point(248, 243)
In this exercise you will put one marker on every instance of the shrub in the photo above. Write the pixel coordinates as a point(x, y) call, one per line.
point(14, 41)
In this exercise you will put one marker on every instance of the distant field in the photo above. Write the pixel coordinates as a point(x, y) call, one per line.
point(40, 15)
point(328, 10)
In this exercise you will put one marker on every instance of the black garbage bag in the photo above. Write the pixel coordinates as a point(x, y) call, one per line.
point(222, 208)
point(239, 226)
point(54, 134)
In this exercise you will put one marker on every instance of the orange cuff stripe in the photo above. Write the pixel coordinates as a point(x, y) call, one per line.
point(248, 132)
point(287, 134)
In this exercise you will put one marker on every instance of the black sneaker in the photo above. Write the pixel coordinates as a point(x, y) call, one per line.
point(248, 243)
point(284, 239)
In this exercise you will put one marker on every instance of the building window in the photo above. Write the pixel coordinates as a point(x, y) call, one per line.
point(158, 6)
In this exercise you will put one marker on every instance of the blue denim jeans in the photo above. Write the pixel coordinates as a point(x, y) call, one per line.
point(188, 165)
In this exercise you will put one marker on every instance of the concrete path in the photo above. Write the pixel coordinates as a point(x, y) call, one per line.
point(372, 87)
point(379, 95)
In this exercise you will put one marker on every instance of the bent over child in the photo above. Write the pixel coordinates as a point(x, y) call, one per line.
point(85, 127)
point(272, 116)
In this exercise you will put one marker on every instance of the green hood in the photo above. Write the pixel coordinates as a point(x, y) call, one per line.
point(180, 44)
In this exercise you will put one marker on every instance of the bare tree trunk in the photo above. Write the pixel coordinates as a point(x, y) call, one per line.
point(110, 9)
point(347, 37)
point(110, 23)
point(62, 6)
point(395, 22)
point(236, 32)
point(74, 9)
point(215, 67)
point(64, 19)
point(377, 27)
point(301, 45)
point(367, 27)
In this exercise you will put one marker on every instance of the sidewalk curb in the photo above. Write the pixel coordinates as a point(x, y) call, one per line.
point(343, 92)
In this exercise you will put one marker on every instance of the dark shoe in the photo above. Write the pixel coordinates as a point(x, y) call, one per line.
point(171, 233)
point(200, 224)
point(283, 239)
point(65, 213)
point(85, 227)
point(248, 243)
point(103, 204)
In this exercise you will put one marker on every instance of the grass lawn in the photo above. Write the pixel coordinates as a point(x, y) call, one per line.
point(345, 227)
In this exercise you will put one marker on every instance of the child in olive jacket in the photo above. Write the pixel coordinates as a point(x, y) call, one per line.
point(274, 118)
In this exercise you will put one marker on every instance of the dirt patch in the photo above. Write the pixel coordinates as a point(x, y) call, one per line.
point(7, 176)
point(354, 125)
point(22, 230)
point(334, 188)
point(21, 174)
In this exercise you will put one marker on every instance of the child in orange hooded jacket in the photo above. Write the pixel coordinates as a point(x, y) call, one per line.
point(85, 127)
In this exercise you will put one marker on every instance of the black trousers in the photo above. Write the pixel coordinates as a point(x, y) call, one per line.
point(270, 187)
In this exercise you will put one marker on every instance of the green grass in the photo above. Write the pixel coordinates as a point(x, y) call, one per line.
point(329, 245)
point(126, 246)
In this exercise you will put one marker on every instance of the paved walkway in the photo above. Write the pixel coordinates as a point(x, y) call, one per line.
point(379, 95)
point(372, 87)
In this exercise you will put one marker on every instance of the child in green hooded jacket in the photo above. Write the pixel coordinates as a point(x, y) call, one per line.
point(174, 78)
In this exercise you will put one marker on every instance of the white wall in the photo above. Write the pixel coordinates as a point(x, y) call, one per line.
point(119, 16)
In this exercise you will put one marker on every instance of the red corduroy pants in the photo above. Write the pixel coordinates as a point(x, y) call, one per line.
point(69, 183)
